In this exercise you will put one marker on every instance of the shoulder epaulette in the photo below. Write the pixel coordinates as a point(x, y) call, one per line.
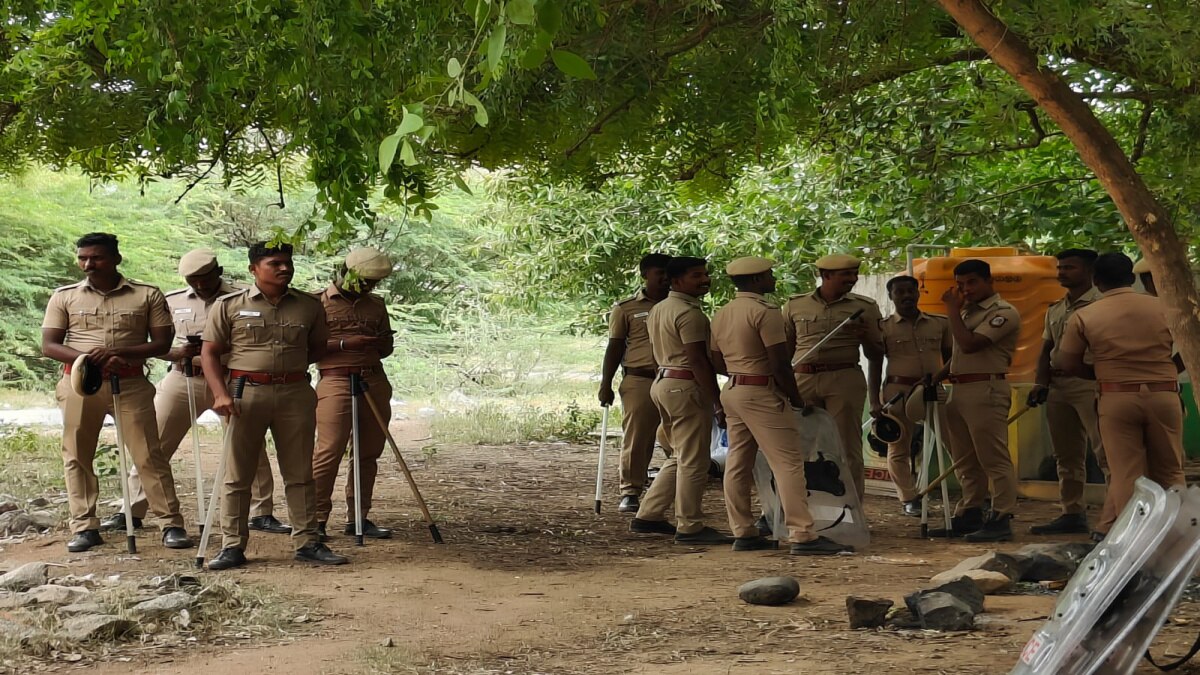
point(230, 295)
point(68, 286)
point(177, 291)
point(135, 282)
point(629, 299)
point(935, 315)
point(856, 296)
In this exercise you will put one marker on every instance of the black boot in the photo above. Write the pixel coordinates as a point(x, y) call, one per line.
point(1067, 523)
point(962, 525)
point(227, 559)
point(639, 526)
point(269, 524)
point(370, 530)
point(819, 546)
point(912, 508)
point(176, 537)
point(629, 504)
point(703, 536)
point(997, 528)
point(83, 541)
point(754, 544)
point(117, 522)
point(320, 554)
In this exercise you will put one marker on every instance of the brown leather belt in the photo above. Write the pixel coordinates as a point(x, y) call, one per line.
point(350, 370)
point(752, 380)
point(811, 368)
point(900, 379)
point(968, 378)
point(268, 378)
point(122, 373)
point(676, 374)
point(638, 372)
point(1114, 387)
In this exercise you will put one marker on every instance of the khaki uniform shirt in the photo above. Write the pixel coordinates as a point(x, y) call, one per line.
point(121, 317)
point(348, 317)
point(674, 322)
point(807, 318)
point(627, 322)
point(189, 312)
point(914, 348)
point(742, 331)
point(267, 338)
point(996, 320)
point(1057, 316)
point(1127, 334)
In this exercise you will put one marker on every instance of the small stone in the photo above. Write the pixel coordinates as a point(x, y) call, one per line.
point(388, 642)
point(1003, 563)
point(7, 505)
point(16, 632)
point(988, 581)
point(53, 594)
point(867, 612)
point(81, 608)
point(962, 588)
point(39, 502)
point(72, 658)
point(96, 627)
point(25, 577)
point(1052, 562)
point(162, 606)
point(942, 611)
point(43, 520)
point(14, 522)
point(14, 600)
point(769, 591)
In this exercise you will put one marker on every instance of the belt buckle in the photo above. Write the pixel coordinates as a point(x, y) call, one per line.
point(278, 379)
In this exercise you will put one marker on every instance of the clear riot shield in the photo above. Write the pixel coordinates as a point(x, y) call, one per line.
point(832, 498)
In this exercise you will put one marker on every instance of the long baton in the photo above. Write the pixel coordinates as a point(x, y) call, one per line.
point(355, 457)
point(114, 383)
point(600, 462)
point(189, 375)
point(412, 483)
point(226, 449)
point(828, 336)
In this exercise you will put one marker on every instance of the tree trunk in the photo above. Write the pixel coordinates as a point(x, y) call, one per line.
point(1150, 224)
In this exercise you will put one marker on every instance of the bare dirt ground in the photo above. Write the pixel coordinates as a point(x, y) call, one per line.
point(531, 581)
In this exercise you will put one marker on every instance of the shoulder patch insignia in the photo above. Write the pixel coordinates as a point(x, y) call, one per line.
point(997, 321)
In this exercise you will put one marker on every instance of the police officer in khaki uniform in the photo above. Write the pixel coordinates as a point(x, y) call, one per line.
point(1070, 401)
point(749, 345)
point(831, 378)
point(118, 324)
point(360, 337)
point(629, 348)
point(917, 345)
point(686, 395)
point(1142, 269)
point(1141, 421)
point(189, 310)
point(985, 329)
point(271, 333)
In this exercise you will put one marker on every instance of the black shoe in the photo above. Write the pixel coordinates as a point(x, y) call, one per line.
point(997, 528)
point(176, 537)
point(269, 524)
point(639, 526)
point(754, 544)
point(370, 530)
point(320, 554)
point(960, 526)
point(322, 536)
point(227, 559)
point(83, 541)
point(1067, 523)
point(819, 546)
point(912, 508)
point(117, 522)
point(629, 504)
point(705, 535)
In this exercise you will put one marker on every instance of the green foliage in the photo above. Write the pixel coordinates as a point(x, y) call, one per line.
point(495, 423)
point(32, 461)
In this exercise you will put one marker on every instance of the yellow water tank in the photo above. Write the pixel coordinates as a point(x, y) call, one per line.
point(1027, 282)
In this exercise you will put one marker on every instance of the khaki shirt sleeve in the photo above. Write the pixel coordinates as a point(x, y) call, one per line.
point(320, 330)
point(160, 314)
point(692, 327)
point(873, 319)
point(217, 327)
point(1010, 324)
point(1073, 339)
point(789, 328)
point(618, 327)
point(56, 313)
point(771, 328)
point(1046, 335)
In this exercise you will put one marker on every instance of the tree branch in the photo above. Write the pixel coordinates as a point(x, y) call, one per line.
point(1036, 184)
point(899, 70)
point(1039, 131)
point(278, 165)
point(1139, 145)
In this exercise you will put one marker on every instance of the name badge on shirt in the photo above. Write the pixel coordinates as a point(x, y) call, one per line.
point(185, 310)
point(248, 312)
point(641, 315)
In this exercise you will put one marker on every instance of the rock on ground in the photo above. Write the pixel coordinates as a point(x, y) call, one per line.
point(14, 522)
point(96, 627)
point(53, 594)
point(25, 577)
point(1003, 563)
point(769, 591)
point(81, 608)
point(962, 588)
point(16, 632)
point(43, 520)
point(988, 581)
point(942, 611)
point(14, 600)
point(163, 606)
point(867, 612)
point(1051, 562)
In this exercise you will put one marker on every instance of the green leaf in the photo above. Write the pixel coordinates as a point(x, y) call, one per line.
point(387, 152)
point(101, 43)
point(532, 58)
point(453, 68)
point(549, 16)
point(480, 11)
point(409, 123)
point(406, 154)
point(495, 46)
point(462, 184)
point(520, 12)
point(572, 64)
point(481, 116)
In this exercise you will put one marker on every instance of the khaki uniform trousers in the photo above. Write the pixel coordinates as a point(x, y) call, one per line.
point(759, 418)
point(334, 426)
point(842, 394)
point(977, 414)
point(1143, 436)
point(288, 411)
point(899, 457)
point(687, 418)
point(1074, 425)
point(174, 423)
point(640, 424)
point(83, 417)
